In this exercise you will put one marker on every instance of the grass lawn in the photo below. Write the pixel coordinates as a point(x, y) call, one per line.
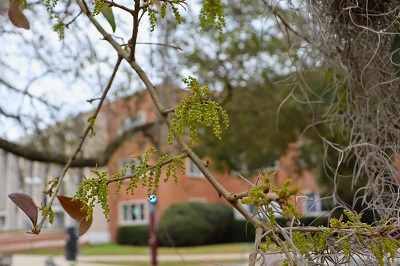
point(167, 263)
point(114, 249)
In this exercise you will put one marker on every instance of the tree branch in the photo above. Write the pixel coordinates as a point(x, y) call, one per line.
point(25, 92)
point(253, 255)
point(58, 158)
point(110, 3)
point(132, 42)
point(159, 106)
point(181, 156)
point(84, 136)
point(161, 44)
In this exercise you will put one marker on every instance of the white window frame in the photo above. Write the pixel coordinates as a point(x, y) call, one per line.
point(192, 170)
point(135, 120)
point(139, 203)
point(311, 200)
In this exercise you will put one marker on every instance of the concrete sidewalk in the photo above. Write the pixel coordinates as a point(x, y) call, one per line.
point(40, 260)
point(82, 260)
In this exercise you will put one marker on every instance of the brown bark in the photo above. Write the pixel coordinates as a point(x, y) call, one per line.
point(30, 153)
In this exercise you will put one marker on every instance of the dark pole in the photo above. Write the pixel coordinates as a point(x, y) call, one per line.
point(153, 230)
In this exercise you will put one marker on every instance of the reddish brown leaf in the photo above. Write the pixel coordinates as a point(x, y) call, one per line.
point(73, 207)
point(27, 205)
point(17, 17)
point(84, 226)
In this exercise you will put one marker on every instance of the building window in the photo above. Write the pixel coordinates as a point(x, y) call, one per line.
point(276, 208)
point(131, 165)
point(133, 121)
point(58, 219)
point(133, 213)
point(193, 170)
point(312, 203)
point(238, 216)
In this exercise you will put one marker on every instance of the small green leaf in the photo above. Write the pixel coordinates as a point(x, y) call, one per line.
point(395, 52)
point(17, 17)
point(109, 15)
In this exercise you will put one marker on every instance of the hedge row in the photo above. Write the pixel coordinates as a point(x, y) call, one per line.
point(136, 235)
point(193, 224)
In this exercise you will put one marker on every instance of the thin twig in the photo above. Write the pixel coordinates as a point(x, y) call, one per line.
point(135, 31)
point(182, 156)
point(161, 44)
point(253, 256)
point(159, 106)
point(110, 3)
point(167, 111)
point(72, 21)
point(285, 23)
point(84, 136)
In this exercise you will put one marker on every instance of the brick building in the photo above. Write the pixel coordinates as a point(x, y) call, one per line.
point(117, 121)
point(127, 209)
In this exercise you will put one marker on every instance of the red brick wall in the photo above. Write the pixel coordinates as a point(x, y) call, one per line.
point(188, 188)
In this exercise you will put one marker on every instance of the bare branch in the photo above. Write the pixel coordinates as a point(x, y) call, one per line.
point(132, 42)
point(167, 111)
point(85, 134)
point(59, 158)
point(111, 4)
point(161, 44)
point(26, 92)
point(72, 20)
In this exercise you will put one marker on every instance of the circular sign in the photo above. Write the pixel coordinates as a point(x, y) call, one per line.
point(152, 198)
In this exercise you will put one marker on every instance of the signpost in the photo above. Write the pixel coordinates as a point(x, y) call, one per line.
point(153, 230)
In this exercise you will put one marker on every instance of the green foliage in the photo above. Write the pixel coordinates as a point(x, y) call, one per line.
point(20, 2)
point(212, 224)
point(109, 15)
point(349, 234)
point(242, 231)
point(149, 176)
point(50, 4)
point(92, 188)
point(212, 13)
point(152, 17)
point(171, 169)
point(98, 7)
point(258, 197)
point(153, 12)
point(195, 110)
point(59, 27)
point(48, 211)
point(136, 235)
point(91, 120)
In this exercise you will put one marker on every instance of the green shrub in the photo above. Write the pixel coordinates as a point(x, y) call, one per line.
point(192, 224)
point(220, 217)
point(136, 235)
point(242, 231)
